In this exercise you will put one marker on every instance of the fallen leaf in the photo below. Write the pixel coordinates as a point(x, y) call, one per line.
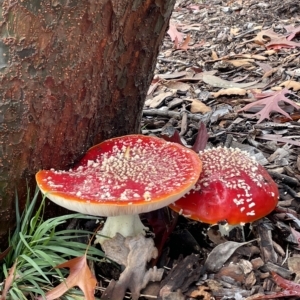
point(201, 139)
point(271, 103)
point(252, 56)
point(291, 84)
point(230, 91)
point(80, 275)
point(8, 281)
point(290, 289)
point(203, 292)
point(296, 234)
point(246, 62)
point(171, 134)
point(184, 45)
point(178, 86)
point(214, 55)
point(265, 67)
point(134, 253)
point(174, 33)
point(172, 75)
point(269, 33)
point(221, 83)
point(234, 31)
point(292, 31)
point(280, 43)
point(220, 254)
point(157, 100)
point(198, 107)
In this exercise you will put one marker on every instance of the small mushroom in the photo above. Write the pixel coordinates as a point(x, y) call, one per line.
point(121, 178)
point(232, 188)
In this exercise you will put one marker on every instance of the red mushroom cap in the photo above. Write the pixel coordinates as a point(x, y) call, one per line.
point(232, 187)
point(124, 175)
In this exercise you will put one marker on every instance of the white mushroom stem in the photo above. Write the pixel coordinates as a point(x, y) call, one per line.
point(126, 225)
point(225, 229)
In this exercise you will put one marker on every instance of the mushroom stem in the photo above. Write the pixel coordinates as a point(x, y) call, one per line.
point(225, 230)
point(127, 225)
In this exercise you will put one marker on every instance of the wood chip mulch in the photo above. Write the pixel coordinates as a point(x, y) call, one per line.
point(218, 57)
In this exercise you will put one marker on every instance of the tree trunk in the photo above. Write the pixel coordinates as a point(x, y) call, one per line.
point(73, 73)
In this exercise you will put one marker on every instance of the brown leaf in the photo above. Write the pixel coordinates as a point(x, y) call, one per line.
point(291, 84)
point(4, 253)
point(203, 292)
point(9, 280)
point(214, 55)
point(80, 275)
point(177, 85)
point(185, 44)
point(198, 107)
point(265, 35)
point(241, 62)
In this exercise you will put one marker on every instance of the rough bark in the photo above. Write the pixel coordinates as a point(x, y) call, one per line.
point(72, 73)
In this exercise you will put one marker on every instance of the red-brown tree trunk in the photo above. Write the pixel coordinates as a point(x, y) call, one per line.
point(72, 73)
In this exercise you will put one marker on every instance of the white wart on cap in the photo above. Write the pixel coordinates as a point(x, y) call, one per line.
point(232, 188)
point(124, 175)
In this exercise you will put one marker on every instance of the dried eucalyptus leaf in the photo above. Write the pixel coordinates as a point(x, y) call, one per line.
point(221, 83)
point(220, 254)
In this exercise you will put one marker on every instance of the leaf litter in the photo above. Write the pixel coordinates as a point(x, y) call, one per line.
point(244, 90)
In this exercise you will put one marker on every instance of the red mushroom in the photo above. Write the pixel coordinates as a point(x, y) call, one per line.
point(232, 187)
point(123, 177)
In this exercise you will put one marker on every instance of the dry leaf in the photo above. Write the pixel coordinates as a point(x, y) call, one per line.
point(157, 100)
point(198, 107)
point(172, 75)
point(271, 103)
point(230, 91)
point(252, 56)
point(221, 83)
point(134, 253)
point(202, 292)
point(174, 33)
point(280, 43)
point(184, 45)
point(214, 55)
point(178, 86)
point(290, 289)
point(220, 254)
point(241, 62)
point(291, 84)
point(234, 31)
point(292, 31)
point(80, 275)
point(8, 281)
point(269, 33)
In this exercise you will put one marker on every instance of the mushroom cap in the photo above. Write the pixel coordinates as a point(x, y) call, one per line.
point(232, 187)
point(124, 175)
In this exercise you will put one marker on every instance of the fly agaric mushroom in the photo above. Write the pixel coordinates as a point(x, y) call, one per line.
point(121, 178)
point(232, 187)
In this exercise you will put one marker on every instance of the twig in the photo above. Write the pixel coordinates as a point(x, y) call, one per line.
point(170, 114)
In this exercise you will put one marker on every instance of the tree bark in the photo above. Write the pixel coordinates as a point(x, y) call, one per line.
point(73, 73)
